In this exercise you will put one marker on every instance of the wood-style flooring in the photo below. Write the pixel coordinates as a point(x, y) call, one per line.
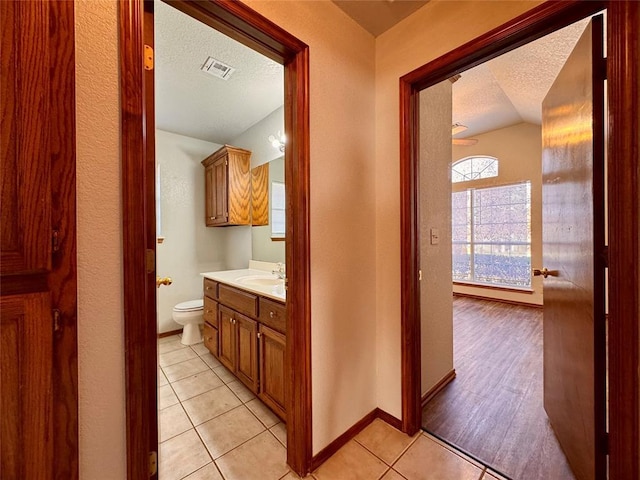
point(493, 409)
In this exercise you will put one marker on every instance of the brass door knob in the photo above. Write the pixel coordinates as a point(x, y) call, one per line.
point(163, 281)
point(545, 272)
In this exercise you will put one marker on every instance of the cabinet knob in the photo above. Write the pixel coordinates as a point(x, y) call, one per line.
point(208, 288)
point(273, 314)
point(208, 311)
point(212, 218)
point(259, 335)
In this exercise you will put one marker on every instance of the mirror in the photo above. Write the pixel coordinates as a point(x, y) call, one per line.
point(264, 247)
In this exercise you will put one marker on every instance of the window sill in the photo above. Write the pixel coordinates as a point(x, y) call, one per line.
point(525, 290)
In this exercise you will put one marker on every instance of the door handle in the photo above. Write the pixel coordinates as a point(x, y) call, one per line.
point(163, 281)
point(545, 272)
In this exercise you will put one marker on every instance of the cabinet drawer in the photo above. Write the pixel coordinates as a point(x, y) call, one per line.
point(210, 288)
point(210, 312)
point(239, 300)
point(273, 314)
point(210, 335)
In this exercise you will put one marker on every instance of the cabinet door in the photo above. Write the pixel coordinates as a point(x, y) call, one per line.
point(38, 369)
point(26, 346)
point(209, 199)
point(227, 332)
point(219, 192)
point(247, 367)
point(272, 361)
point(210, 336)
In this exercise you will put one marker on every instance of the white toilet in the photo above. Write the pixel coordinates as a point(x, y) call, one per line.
point(189, 314)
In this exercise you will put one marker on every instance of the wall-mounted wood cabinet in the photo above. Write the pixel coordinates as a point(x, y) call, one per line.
point(228, 187)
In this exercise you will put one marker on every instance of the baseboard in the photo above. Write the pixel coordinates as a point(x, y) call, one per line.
point(168, 334)
point(499, 300)
point(390, 419)
point(328, 451)
point(433, 391)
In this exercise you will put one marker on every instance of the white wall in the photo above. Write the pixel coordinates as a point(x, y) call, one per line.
point(519, 152)
point(256, 138)
point(435, 29)
point(342, 207)
point(436, 308)
point(189, 247)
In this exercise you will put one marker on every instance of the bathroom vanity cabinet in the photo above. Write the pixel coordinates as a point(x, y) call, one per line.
point(247, 334)
point(228, 187)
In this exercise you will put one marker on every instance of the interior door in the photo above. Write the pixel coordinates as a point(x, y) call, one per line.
point(573, 251)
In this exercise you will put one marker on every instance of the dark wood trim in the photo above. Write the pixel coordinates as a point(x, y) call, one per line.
point(328, 451)
point(390, 419)
point(410, 259)
point(169, 333)
point(433, 391)
point(138, 283)
point(278, 239)
point(27, 283)
point(63, 276)
point(245, 25)
point(500, 300)
point(623, 72)
point(624, 243)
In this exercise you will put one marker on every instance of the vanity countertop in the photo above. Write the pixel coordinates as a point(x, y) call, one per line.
point(248, 279)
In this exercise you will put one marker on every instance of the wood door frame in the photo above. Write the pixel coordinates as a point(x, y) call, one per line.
point(623, 23)
point(255, 31)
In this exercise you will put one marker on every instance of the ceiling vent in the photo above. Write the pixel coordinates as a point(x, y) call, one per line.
point(217, 68)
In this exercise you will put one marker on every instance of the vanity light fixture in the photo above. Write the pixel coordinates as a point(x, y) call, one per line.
point(278, 140)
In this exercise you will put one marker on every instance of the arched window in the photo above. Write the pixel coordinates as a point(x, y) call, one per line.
point(474, 168)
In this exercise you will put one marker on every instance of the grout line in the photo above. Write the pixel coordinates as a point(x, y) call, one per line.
point(413, 440)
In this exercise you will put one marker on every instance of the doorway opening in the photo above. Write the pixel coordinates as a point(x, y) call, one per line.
point(540, 21)
point(494, 407)
point(138, 157)
point(221, 390)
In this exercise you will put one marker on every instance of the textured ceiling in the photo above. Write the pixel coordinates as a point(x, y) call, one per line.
point(502, 92)
point(378, 16)
point(509, 89)
point(193, 103)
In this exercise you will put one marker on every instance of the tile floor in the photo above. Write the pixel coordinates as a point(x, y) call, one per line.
point(213, 428)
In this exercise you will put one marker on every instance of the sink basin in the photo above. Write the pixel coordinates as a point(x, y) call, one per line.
point(266, 280)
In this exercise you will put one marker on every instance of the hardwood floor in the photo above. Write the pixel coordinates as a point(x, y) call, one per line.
point(494, 407)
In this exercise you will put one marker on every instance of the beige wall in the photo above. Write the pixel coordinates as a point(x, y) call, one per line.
point(519, 152)
point(355, 244)
point(101, 389)
point(342, 203)
point(436, 309)
point(189, 247)
point(435, 29)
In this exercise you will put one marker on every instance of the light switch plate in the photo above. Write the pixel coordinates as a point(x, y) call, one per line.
point(435, 236)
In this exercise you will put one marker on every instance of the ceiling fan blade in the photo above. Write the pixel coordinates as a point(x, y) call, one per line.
point(465, 142)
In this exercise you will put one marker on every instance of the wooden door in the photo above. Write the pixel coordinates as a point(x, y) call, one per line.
point(247, 366)
point(272, 347)
point(227, 345)
point(573, 251)
point(38, 353)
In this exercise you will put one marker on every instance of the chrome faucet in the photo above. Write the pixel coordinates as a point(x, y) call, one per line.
point(279, 270)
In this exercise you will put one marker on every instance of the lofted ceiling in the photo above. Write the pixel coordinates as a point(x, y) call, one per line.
point(502, 92)
point(509, 89)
